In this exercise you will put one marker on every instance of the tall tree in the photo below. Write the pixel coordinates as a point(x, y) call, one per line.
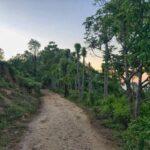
point(34, 48)
point(78, 50)
point(130, 23)
point(98, 35)
point(90, 85)
point(83, 53)
point(66, 84)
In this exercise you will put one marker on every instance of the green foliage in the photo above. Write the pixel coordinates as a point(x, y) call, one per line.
point(34, 46)
point(145, 108)
point(116, 109)
point(115, 87)
point(129, 24)
point(74, 95)
point(106, 106)
point(121, 111)
point(77, 48)
point(15, 108)
point(137, 135)
point(29, 83)
point(61, 70)
point(84, 52)
point(4, 83)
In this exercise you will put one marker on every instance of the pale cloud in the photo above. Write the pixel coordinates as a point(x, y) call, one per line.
point(14, 41)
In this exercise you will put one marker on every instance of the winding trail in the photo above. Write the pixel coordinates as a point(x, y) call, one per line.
point(61, 125)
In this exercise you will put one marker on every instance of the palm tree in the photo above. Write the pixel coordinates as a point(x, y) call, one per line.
point(67, 55)
point(78, 49)
point(83, 53)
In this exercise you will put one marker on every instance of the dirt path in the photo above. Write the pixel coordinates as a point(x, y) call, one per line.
point(62, 125)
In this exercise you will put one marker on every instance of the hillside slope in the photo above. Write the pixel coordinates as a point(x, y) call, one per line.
point(16, 105)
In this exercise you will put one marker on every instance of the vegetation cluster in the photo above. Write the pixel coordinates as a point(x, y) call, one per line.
point(112, 94)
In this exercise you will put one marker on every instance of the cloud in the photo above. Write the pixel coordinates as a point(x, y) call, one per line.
point(13, 41)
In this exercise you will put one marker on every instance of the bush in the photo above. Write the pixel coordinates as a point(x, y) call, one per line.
point(29, 83)
point(145, 109)
point(115, 88)
point(106, 106)
point(121, 112)
point(15, 109)
point(73, 95)
point(92, 99)
point(116, 109)
point(137, 136)
point(4, 83)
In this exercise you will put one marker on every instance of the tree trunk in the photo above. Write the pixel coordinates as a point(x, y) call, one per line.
point(90, 86)
point(66, 90)
point(35, 66)
point(106, 71)
point(129, 91)
point(127, 79)
point(78, 78)
point(83, 74)
point(138, 94)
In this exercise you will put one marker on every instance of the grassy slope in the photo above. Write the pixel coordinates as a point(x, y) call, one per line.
point(16, 108)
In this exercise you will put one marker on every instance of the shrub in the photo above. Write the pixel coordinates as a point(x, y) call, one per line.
point(73, 94)
point(145, 109)
point(13, 114)
point(29, 83)
point(106, 106)
point(137, 136)
point(121, 112)
point(116, 109)
point(4, 83)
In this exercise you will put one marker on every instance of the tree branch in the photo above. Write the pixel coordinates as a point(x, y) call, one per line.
point(148, 83)
point(95, 54)
point(147, 79)
point(133, 73)
point(123, 78)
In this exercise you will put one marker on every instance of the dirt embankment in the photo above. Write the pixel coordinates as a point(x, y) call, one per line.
point(62, 125)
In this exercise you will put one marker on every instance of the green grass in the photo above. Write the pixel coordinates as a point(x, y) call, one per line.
point(14, 116)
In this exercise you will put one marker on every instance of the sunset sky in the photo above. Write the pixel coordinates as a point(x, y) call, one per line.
point(44, 20)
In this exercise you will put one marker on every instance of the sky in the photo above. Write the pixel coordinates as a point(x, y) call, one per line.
point(44, 20)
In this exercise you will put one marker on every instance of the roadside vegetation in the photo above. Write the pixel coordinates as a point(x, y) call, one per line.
point(19, 100)
point(119, 95)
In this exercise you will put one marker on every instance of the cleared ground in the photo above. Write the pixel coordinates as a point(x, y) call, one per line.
point(61, 125)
